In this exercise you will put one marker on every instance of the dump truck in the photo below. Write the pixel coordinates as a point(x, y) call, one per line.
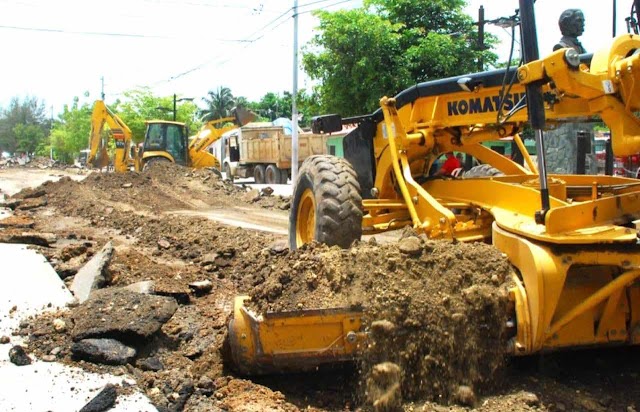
point(263, 151)
point(572, 240)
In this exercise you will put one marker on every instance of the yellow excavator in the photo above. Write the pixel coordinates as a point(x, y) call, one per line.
point(164, 141)
point(573, 240)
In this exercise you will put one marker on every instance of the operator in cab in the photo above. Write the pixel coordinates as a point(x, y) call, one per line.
point(450, 166)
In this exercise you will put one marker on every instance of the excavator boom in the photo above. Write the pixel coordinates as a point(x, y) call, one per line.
point(211, 132)
point(99, 137)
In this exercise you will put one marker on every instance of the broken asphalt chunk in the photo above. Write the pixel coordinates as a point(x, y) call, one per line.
point(103, 401)
point(107, 351)
point(18, 356)
point(121, 314)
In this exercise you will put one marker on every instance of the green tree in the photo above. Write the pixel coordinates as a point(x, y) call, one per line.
point(273, 105)
point(440, 39)
point(27, 112)
point(363, 54)
point(140, 105)
point(357, 57)
point(308, 106)
point(70, 133)
point(29, 138)
point(219, 103)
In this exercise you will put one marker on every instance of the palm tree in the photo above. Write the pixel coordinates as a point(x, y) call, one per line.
point(219, 103)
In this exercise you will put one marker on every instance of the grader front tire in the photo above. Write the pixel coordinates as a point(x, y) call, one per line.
point(326, 205)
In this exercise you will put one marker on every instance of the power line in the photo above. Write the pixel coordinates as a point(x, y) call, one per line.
point(312, 3)
point(270, 23)
point(86, 33)
point(330, 5)
point(248, 40)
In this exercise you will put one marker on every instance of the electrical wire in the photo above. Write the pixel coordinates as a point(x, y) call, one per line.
point(312, 3)
point(330, 5)
point(86, 33)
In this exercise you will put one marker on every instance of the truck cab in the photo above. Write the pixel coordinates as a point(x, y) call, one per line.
point(229, 151)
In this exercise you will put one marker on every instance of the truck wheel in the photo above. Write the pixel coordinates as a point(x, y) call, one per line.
point(284, 176)
point(227, 171)
point(483, 170)
point(258, 174)
point(326, 205)
point(154, 161)
point(272, 175)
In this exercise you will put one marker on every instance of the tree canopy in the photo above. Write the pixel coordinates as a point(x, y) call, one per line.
point(70, 133)
point(139, 105)
point(219, 103)
point(362, 54)
point(23, 125)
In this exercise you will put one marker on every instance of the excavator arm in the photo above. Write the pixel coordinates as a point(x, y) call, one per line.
point(211, 132)
point(99, 137)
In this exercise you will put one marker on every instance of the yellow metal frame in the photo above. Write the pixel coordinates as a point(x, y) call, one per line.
point(208, 134)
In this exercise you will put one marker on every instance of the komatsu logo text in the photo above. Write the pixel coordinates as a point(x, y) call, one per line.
point(482, 104)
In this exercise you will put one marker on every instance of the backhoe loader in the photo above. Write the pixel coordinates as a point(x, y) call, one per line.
point(164, 141)
point(169, 142)
point(572, 239)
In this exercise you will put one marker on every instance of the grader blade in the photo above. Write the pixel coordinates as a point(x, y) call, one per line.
point(292, 341)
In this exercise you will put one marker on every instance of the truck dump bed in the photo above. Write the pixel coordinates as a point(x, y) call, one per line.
point(270, 145)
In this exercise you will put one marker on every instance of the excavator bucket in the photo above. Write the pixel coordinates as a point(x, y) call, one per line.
point(243, 116)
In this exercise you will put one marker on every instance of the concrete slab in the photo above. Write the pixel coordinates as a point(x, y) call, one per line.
point(56, 387)
point(90, 276)
point(29, 283)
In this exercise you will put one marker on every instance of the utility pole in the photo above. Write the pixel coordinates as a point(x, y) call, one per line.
point(51, 130)
point(102, 87)
point(481, 23)
point(294, 108)
point(174, 107)
point(614, 19)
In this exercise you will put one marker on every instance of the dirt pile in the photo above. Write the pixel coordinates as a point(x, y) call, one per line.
point(437, 309)
point(163, 187)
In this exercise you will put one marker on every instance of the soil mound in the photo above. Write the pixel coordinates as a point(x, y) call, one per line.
point(163, 187)
point(438, 311)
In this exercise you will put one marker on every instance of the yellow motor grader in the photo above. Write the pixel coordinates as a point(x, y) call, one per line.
point(572, 239)
point(164, 141)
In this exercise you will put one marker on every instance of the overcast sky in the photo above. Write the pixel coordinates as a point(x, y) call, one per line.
point(55, 50)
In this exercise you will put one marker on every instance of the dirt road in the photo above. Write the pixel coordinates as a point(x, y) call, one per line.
point(155, 223)
point(14, 179)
